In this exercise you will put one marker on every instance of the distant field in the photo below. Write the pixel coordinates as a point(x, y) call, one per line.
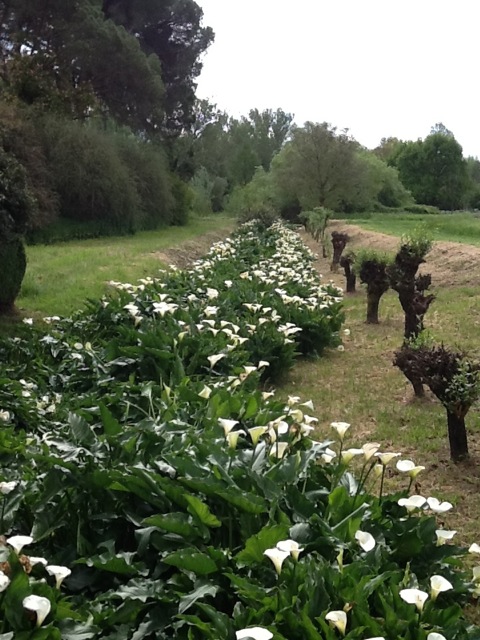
point(454, 227)
point(61, 277)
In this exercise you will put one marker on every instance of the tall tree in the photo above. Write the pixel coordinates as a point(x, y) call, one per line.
point(435, 171)
point(173, 31)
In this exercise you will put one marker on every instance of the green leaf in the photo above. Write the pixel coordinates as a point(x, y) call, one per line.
point(173, 523)
point(81, 431)
point(201, 511)
point(191, 560)
point(257, 544)
point(111, 426)
point(204, 589)
point(248, 502)
point(251, 408)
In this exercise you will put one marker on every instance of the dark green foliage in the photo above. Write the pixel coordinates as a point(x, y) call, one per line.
point(434, 170)
point(91, 180)
point(13, 263)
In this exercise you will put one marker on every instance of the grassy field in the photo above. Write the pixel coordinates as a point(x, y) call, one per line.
point(361, 386)
point(454, 227)
point(61, 277)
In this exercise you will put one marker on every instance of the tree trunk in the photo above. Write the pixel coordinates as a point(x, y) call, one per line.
point(373, 302)
point(457, 436)
point(351, 280)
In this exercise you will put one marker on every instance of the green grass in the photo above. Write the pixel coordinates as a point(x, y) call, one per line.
point(61, 277)
point(452, 227)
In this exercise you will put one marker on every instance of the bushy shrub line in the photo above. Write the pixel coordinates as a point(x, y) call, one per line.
point(162, 494)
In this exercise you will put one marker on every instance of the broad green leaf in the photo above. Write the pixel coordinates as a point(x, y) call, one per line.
point(200, 510)
point(201, 591)
point(81, 431)
point(111, 425)
point(191, 560)
point(174, 523)
point(257, 544)
point(248, 502)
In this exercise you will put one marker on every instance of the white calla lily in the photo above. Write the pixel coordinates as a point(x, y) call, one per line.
point(341, 428)
point(438, 507)
point(365, 540)
point(337, 619)
point(18, 542)
point(386, 458)
point(227, 425)
point(205, 393)
point(370, 449)
point(58, 572)
point(414, 596)
point(257, 633)
point(409, 467)
point(278, 450)
point(293, 548)
point(7, 487)
point(232, 437)
point(412, 503)
point(256, 433)
point(474, 548)
point(438, 584)
point(215, 358)
point(444, 536)
point(41, 606)
point(277, 556)
point(435, 636)
point(36, 560)
point(348, 454)
point(4, 581)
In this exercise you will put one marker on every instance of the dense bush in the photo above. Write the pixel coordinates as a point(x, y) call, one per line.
point(170, 497)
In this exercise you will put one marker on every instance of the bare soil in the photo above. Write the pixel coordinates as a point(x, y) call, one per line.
point(186, 253)
point(450, 263)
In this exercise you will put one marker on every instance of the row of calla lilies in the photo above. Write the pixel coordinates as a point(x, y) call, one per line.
point(178, 498)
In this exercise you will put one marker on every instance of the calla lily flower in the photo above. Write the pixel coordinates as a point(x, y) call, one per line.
point(377, 470)
point(59, 573)
point(439, 584)
point(337, 619)
point(215, 358)
point(232, 438)
point(7, 487)
point(291, 546)
point(348, 454)
point(341, 428)
point(443, 536)
point(376, 638)
point(365, 540)
point(18, 542)
point(414, 596)
point(257, 633)
point(476, 574)
point(328, 455)
point(277, 556)
point(293, 400)
point(370, 449)
point(435, 636)
point(256, 433)
point(412, 503)
point(308, 404)
point(205, 393)
point(409, 467)
point(385, 458)
point(227, 425)
point(41, 606)
point(438, 507)
point(474, 548)
point(278, 450)
point(4, 581)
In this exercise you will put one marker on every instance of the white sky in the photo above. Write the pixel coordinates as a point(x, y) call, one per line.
point(377, 67)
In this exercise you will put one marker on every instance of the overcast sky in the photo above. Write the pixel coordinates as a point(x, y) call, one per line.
point(377, 67)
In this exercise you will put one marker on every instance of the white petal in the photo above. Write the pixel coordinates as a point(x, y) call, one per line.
point(338, 619)
point(414, 596)
point(18, 542)
point(474, 548)
point(365, 540)
point(40, 605)
point(257, 633)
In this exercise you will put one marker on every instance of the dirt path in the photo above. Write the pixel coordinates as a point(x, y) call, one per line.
point(187, 252)
point(450, 263)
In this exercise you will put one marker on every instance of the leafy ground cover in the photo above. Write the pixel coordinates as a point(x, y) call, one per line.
point(152, 489)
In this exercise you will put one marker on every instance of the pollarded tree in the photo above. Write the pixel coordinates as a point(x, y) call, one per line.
point(371, 268)
point(452, 378)
point(339, 242)
point(347, 262)
point(16, 206)
point(411, 288)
